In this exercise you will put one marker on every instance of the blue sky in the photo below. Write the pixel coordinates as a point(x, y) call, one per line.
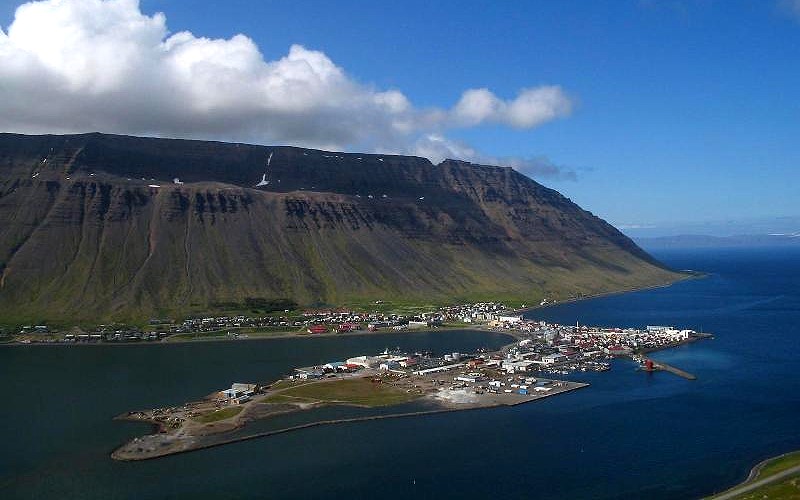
point(680, 111)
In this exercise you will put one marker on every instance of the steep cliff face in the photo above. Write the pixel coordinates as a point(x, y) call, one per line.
point(94, 227)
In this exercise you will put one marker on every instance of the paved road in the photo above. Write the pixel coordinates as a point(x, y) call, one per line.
point(747, 488)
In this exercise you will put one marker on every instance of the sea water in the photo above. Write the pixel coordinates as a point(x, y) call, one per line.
point(630, 434)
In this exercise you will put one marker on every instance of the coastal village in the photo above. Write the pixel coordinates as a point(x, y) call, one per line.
point(528, 368)
point(520, 372)
point(482, 315)
point(312, 321)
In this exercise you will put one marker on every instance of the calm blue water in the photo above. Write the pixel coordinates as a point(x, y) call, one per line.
point(630, 434)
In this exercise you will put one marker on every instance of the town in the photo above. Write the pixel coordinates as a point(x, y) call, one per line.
point(551, 348)
point(239, 327)
point(540, 347)
point(542, 344)
point(517, 373)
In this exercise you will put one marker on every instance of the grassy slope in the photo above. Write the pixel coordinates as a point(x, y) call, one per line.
point(161, 263)
point(89, 249)
point(779, 464)
point(788, 488)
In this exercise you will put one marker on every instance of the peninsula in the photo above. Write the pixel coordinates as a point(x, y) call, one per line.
point(404, 384)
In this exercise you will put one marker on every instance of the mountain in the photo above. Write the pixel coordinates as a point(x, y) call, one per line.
point(97, 227)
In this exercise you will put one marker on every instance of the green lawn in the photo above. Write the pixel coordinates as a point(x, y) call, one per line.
point(391, 307)
point(357, 391)
point(789, 488)
point(199, 335)
point(250, 332)
point(280, 398)
point(779, 464)
point(218, 415)
point(785, 490)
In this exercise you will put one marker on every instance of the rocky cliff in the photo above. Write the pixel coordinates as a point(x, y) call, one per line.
point(99, 226)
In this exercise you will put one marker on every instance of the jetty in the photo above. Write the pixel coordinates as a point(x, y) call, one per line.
point(651, 365)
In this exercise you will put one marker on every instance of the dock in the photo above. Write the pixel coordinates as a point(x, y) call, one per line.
point(658, 365)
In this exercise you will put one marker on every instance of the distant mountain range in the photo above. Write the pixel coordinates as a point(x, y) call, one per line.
point(703, 241)
point(97, 227)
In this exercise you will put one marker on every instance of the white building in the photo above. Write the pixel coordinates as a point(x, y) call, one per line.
point(554, 358)
point(365, 361)
point(517, 366)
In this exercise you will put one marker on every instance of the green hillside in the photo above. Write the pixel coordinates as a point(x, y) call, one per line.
point(86, 235)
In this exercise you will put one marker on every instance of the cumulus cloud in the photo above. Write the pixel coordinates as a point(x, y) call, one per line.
point(436, 147)
point(530, 108)
point(103, 65)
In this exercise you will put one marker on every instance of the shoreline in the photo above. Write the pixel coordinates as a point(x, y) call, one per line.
point(688, 275)
point(752, 478)
point(285, 335)
point(130, 451)
point(298, 427)
point(122, 453)
point(278, 336)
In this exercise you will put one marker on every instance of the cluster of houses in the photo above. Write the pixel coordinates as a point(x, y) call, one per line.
point(523, 385)
point(28, 329)
point(312, 321)
point(541, 347)
point(341, 320)
point(471, 313)
point(480, 372)
point(547, 344)
point(515, 361)
point(382, 362)
point(212, 323)
point(111, 334)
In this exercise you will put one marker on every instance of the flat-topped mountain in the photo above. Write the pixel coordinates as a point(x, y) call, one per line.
point(99, 226)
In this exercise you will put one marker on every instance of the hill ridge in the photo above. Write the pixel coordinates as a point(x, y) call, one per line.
point(95, 225)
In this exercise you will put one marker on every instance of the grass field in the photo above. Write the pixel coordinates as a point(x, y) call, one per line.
point(216, 416)
point(260, 332)
point(199, 335)
point(779, 464)
point(785, 490)
point(788, 488)
point(357, 391)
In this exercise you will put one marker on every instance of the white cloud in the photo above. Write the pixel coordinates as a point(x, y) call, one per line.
point(437, 148)
point(531, 107)
point(103, 65)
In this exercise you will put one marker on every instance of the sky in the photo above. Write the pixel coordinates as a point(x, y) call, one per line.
point(659, 116)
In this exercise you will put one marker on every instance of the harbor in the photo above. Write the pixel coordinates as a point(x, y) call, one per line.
point(368, 382)
point(645, 423)
point(649, 365)
point(528, 369)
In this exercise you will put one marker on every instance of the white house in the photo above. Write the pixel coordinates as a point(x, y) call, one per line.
point(554, 358)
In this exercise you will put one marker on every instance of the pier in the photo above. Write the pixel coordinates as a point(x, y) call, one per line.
point(658, 365)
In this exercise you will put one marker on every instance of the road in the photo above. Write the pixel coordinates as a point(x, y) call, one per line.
point(748, 487)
